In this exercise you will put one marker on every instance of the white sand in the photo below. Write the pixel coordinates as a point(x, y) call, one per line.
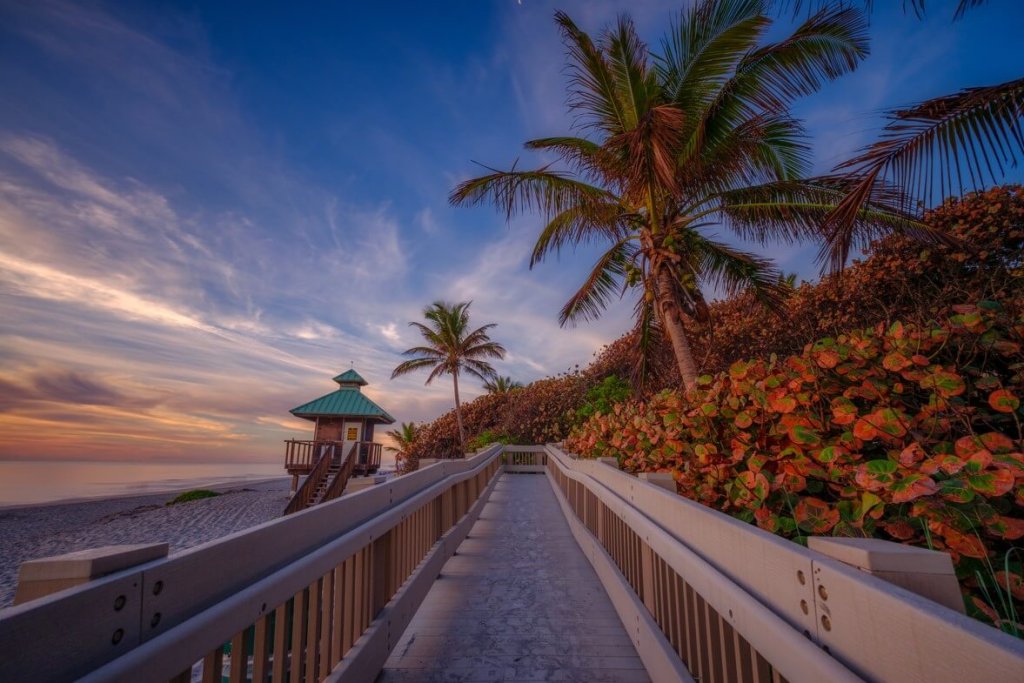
point(39, 531)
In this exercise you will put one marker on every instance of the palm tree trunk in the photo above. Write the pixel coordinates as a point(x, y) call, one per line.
point(458, 415)
point(673, 323)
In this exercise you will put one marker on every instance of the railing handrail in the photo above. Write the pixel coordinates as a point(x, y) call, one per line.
point(337, 485)
point(878, 630)
point(115, 615)
point(300, 500)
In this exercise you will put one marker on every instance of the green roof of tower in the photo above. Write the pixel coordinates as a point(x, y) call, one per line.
point(349, 377)
point(348, 401)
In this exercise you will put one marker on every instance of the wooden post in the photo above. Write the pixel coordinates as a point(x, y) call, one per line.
point(928, 573)
point(664, 480)
point(46, 575)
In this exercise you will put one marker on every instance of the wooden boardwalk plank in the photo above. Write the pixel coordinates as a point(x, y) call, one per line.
point(519, 602)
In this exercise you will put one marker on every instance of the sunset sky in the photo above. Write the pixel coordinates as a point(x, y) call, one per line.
point(207, 210)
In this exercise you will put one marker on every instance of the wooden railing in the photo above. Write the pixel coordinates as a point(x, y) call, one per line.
point(525, 459)
point(711, 596)
point(319, 595)
point(337, 486)
point(368, 460)
point(302, 455)
point(328, 452)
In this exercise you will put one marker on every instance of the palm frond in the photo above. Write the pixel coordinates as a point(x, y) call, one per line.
point(646, 332)
point(733, 271)
point(792, 211)
point(927, 149)
point(593, 96)
point(764, 148)
point(831, 43)
point(915, 6)
point(703, 48)
point(412, 365)
point(480, 369)
point(580, 224)
point(584, 156)
point(513, 192)
point(596, 292)
point(635, 87)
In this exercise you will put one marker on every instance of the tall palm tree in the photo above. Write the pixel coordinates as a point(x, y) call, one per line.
point(451, 348)
point(501, 385)
point(667, 146)
point(403, 439)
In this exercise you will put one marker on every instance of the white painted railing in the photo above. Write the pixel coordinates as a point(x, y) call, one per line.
point(318, 595)
point(732, 602)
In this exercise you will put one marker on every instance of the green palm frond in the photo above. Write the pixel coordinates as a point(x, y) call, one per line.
point(938, 147)
point(703, 47)
point(501, 385)
point(733, 271)
point(918, 7)
point(602, 284)
point(593, 96)
point(542, 190)
point(580, 224)
point(793, 211)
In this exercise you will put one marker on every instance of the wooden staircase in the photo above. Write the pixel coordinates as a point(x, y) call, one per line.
point(325, 484)
point(327, 478)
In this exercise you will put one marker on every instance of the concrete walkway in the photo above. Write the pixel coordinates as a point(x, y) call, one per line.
point(519, 602)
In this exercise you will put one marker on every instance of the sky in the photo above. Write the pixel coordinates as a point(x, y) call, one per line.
point(207, 210)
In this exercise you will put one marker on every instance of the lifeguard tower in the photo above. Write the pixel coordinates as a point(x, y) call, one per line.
point(342, 444)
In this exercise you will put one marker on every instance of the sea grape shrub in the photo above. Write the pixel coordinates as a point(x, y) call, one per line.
point(906, 432)
point(541, 412)
point(602, 397)
point(901, 279)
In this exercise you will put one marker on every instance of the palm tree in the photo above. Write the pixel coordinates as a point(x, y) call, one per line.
point(450, 349)
point(669, 145)
point(403, 439)
point(501, 385)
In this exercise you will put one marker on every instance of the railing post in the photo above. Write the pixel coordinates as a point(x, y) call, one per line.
point(929, 573)
point(382, 590)
point(38, 578)
point(613, 462)
point(647, 575)
point(663, 480)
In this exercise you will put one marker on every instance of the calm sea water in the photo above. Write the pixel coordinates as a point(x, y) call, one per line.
point(42, 482)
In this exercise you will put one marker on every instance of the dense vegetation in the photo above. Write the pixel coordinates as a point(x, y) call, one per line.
point(899, 418)
point(884, 401)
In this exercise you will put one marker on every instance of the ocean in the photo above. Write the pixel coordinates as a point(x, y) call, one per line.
point(32, 482)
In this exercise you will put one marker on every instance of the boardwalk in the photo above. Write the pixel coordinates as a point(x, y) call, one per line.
point(519, 602)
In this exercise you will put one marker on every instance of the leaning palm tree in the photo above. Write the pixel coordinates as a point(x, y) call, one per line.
point(667, 146)
point(501, 385)
point(403, 439)
point(451, 348)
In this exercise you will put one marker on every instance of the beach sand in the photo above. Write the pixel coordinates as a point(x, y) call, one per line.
point(31, 532)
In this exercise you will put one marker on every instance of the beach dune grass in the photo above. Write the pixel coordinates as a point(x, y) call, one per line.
point(196, 494)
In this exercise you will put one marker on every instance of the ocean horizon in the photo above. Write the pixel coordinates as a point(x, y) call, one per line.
point(25, 482)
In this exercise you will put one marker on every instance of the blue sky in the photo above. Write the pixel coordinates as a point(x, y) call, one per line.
point(207, 210)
